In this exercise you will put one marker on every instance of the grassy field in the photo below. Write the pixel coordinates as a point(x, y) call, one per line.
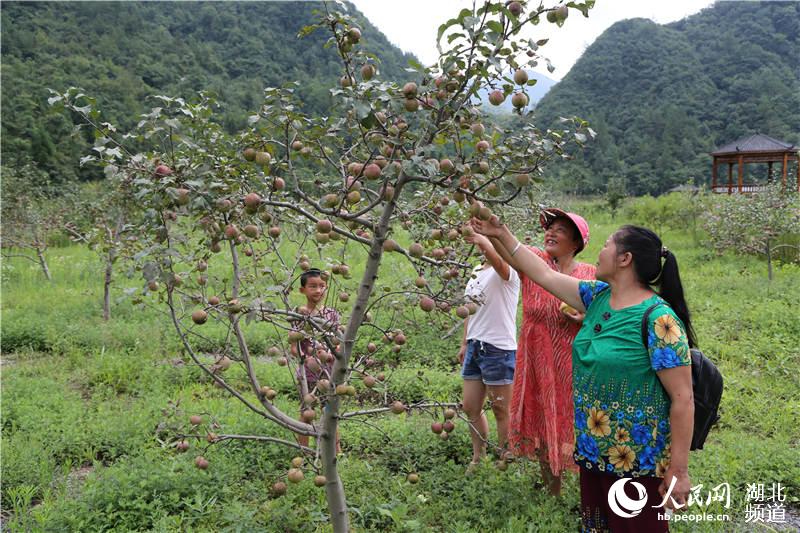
point(82, 402)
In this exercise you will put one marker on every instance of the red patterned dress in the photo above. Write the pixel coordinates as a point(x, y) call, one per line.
point(541, 404)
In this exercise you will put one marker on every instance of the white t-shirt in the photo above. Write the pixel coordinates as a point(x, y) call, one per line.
point(495, 321)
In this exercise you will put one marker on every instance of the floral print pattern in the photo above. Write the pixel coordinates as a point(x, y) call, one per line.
point(621, 408)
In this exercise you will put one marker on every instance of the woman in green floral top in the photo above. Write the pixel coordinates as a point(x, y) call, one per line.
point(634, 408)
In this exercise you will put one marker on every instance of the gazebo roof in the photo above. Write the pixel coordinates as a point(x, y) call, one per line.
point(757, 142)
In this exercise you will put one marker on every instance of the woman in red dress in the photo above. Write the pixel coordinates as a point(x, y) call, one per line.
point(541, 404)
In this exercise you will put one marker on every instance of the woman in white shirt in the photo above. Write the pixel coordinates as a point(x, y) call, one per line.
point(489, 346)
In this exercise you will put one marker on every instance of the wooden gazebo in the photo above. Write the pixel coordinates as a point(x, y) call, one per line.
point(757, 148)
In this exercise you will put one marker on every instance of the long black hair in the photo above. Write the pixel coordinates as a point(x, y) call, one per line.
point(648, 252)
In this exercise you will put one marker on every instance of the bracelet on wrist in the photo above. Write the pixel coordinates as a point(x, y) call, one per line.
point(516, 248)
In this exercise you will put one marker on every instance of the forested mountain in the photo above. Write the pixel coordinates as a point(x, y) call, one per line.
point(123, 52)
point(660, 97)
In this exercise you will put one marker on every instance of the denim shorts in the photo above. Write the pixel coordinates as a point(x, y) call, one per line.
point(488, 363)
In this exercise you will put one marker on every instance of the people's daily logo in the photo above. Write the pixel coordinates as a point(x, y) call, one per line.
point(621, 504)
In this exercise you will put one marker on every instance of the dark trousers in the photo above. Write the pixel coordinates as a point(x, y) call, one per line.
point(598, 517)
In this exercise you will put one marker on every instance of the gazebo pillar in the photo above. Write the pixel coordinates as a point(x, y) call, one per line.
point(785, 163)
point(741, 172)
point(769, 171)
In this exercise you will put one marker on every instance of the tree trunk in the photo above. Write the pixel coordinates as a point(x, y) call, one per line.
point(42, 261)
point(334, 490)
point(107, 289)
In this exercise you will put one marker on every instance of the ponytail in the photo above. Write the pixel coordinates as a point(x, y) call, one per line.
point(656, 266)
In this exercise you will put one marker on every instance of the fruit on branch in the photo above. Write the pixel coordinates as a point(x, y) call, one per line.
point(413, 478)
point(389, 245)
point(231, 231)
point(496, 97)
point(309, 399)
point(484, 213)
point(252, 231)
point(330, 200)
point(152, 286)
point(420, 282)
point(411, 104)
point(295, 475)
point(249, 154)
point(353, 197)
point(462, 311)
point(211, 437)
point(436, 427)
point(369, 381)
point(446, 166)
point(372, 171)
point(278, 184)
point(448, 426)
point(482, 146)
point(522, 179)
point(368, 71)
point(410, 90)
point(519, 100)
point(263, 158)
point(163, 170)
point(427, 304)
point(371, 347)
point(444, 435)
point(449, 413)
point(320, 481)
point(354, 34)
point(562, 12)
point(482, 167)
point(492, 189)
point(201, 462)
point(279, 488)
point(297, 462)
point(472, 306)
point(324, 226)
point(346, 81)
point(515, 8)
point(520, 77)
point(322, 238)
point(224, 363)
point(195, 420)
point(399, 338)
point(452, 234)
point(309, 415)
point(182, 446)
point(252, 201)
point(477, 129)
point(397, 407)
point(282, 361)
point(274, 232)
point(324, 385)
point(343, 296)
point(234, 306)
point(467, 230)
point(416, 250)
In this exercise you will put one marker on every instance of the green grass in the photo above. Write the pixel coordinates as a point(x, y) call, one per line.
point(85, 403)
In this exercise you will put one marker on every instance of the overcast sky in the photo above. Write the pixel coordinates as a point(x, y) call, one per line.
point(412, 24)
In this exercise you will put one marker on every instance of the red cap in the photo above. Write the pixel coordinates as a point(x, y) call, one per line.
point(547, 216)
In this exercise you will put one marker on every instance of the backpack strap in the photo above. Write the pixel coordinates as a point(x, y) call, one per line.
point(646, 315)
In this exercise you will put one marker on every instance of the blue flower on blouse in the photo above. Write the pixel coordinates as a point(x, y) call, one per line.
point(647, 458)
point(588, 447)
point(665, 358)
point(620, 416)
point(660, 442)
point(662, 425)
point(609, 467)
point(639, 414)
point(641, 434)
point(580, 419)
point(578, 399)
point(588, 290)
point(651, 339)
